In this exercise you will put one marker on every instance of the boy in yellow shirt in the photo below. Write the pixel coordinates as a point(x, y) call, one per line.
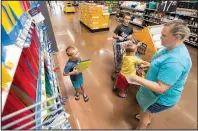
point(129, 63)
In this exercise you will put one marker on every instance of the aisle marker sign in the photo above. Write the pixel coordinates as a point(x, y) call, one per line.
point(36, 15)
point(34, 11)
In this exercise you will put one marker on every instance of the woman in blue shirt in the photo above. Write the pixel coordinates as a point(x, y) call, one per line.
point(167, 74)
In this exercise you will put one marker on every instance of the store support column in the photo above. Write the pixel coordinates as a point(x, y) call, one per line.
point(47, 21)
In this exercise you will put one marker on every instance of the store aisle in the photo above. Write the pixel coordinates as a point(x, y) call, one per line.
point(105, 110)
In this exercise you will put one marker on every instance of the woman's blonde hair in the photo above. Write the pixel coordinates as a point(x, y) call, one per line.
point(179, 27)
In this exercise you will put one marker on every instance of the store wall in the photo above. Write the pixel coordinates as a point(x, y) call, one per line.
point(48, 23)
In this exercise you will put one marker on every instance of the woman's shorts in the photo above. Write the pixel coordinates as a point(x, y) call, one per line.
point(155, 108)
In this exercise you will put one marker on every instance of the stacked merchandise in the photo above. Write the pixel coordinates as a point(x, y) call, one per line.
point(136, 10)
point(94, 16)
point(113, 6)
point(186, 11)
point(156, 13)
point(30, 90)
point(152, 15)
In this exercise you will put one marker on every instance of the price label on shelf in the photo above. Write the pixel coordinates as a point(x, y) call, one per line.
point(23, 36)
point(20, 43)
point(24, 31)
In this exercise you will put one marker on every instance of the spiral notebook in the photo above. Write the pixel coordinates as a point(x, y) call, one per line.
point(83, 65)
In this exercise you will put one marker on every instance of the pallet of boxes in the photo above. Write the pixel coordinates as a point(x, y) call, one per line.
point(94, 17)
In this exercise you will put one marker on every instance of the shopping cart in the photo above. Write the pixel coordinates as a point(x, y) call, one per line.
point(119, 50)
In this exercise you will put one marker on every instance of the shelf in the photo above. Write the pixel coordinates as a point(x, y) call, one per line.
point(186, 9)
point(192, 43)
point(113, 13)
point(186, 15)
point(136, 24)
point(174, 13)
point(153, 17)
point(151, 9)
point(192, 26)
point(151, 21)
point(13, 53)
point(136, 15)
point(132, 13)
point(43, 90)
point(193, 34)
point(132, 9)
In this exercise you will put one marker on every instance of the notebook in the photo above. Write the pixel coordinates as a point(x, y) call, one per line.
point(83, 65)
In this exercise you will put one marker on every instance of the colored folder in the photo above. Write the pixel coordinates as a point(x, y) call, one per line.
point(83, 65)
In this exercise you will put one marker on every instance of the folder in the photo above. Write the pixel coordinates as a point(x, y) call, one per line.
point(83, 65)
point(16, 7)
point(6, 8)
point(5, 77)
point(6, 22)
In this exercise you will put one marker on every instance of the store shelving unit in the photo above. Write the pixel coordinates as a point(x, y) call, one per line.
point(13, 59)
point(136, 24)
point(44, 115)
point(159, 18)
point(114, 6)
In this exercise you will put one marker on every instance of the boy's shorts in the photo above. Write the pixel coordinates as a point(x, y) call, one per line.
point(121, 82)
point(77, 83)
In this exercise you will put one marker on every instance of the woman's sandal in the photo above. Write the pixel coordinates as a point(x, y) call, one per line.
point(125, 95)
point(137, 116)
point(86, 98)
point(77, 97)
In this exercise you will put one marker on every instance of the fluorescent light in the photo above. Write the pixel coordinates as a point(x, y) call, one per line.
point(70, 35)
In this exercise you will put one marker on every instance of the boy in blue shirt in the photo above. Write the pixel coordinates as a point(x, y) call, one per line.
point(70, 70)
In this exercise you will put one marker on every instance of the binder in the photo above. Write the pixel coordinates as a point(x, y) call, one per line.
point(16, 7)
point(6, 21)
point(9, 27)
point(23, 96)
point(17, 13)
point(5, 77)
point(83, 65)
point(5, 7)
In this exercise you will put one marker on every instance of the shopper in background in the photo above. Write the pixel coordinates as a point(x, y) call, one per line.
point(129, 63)
point(70, 70)
point(167, 74)
point(122, 33)
point(49, 2)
